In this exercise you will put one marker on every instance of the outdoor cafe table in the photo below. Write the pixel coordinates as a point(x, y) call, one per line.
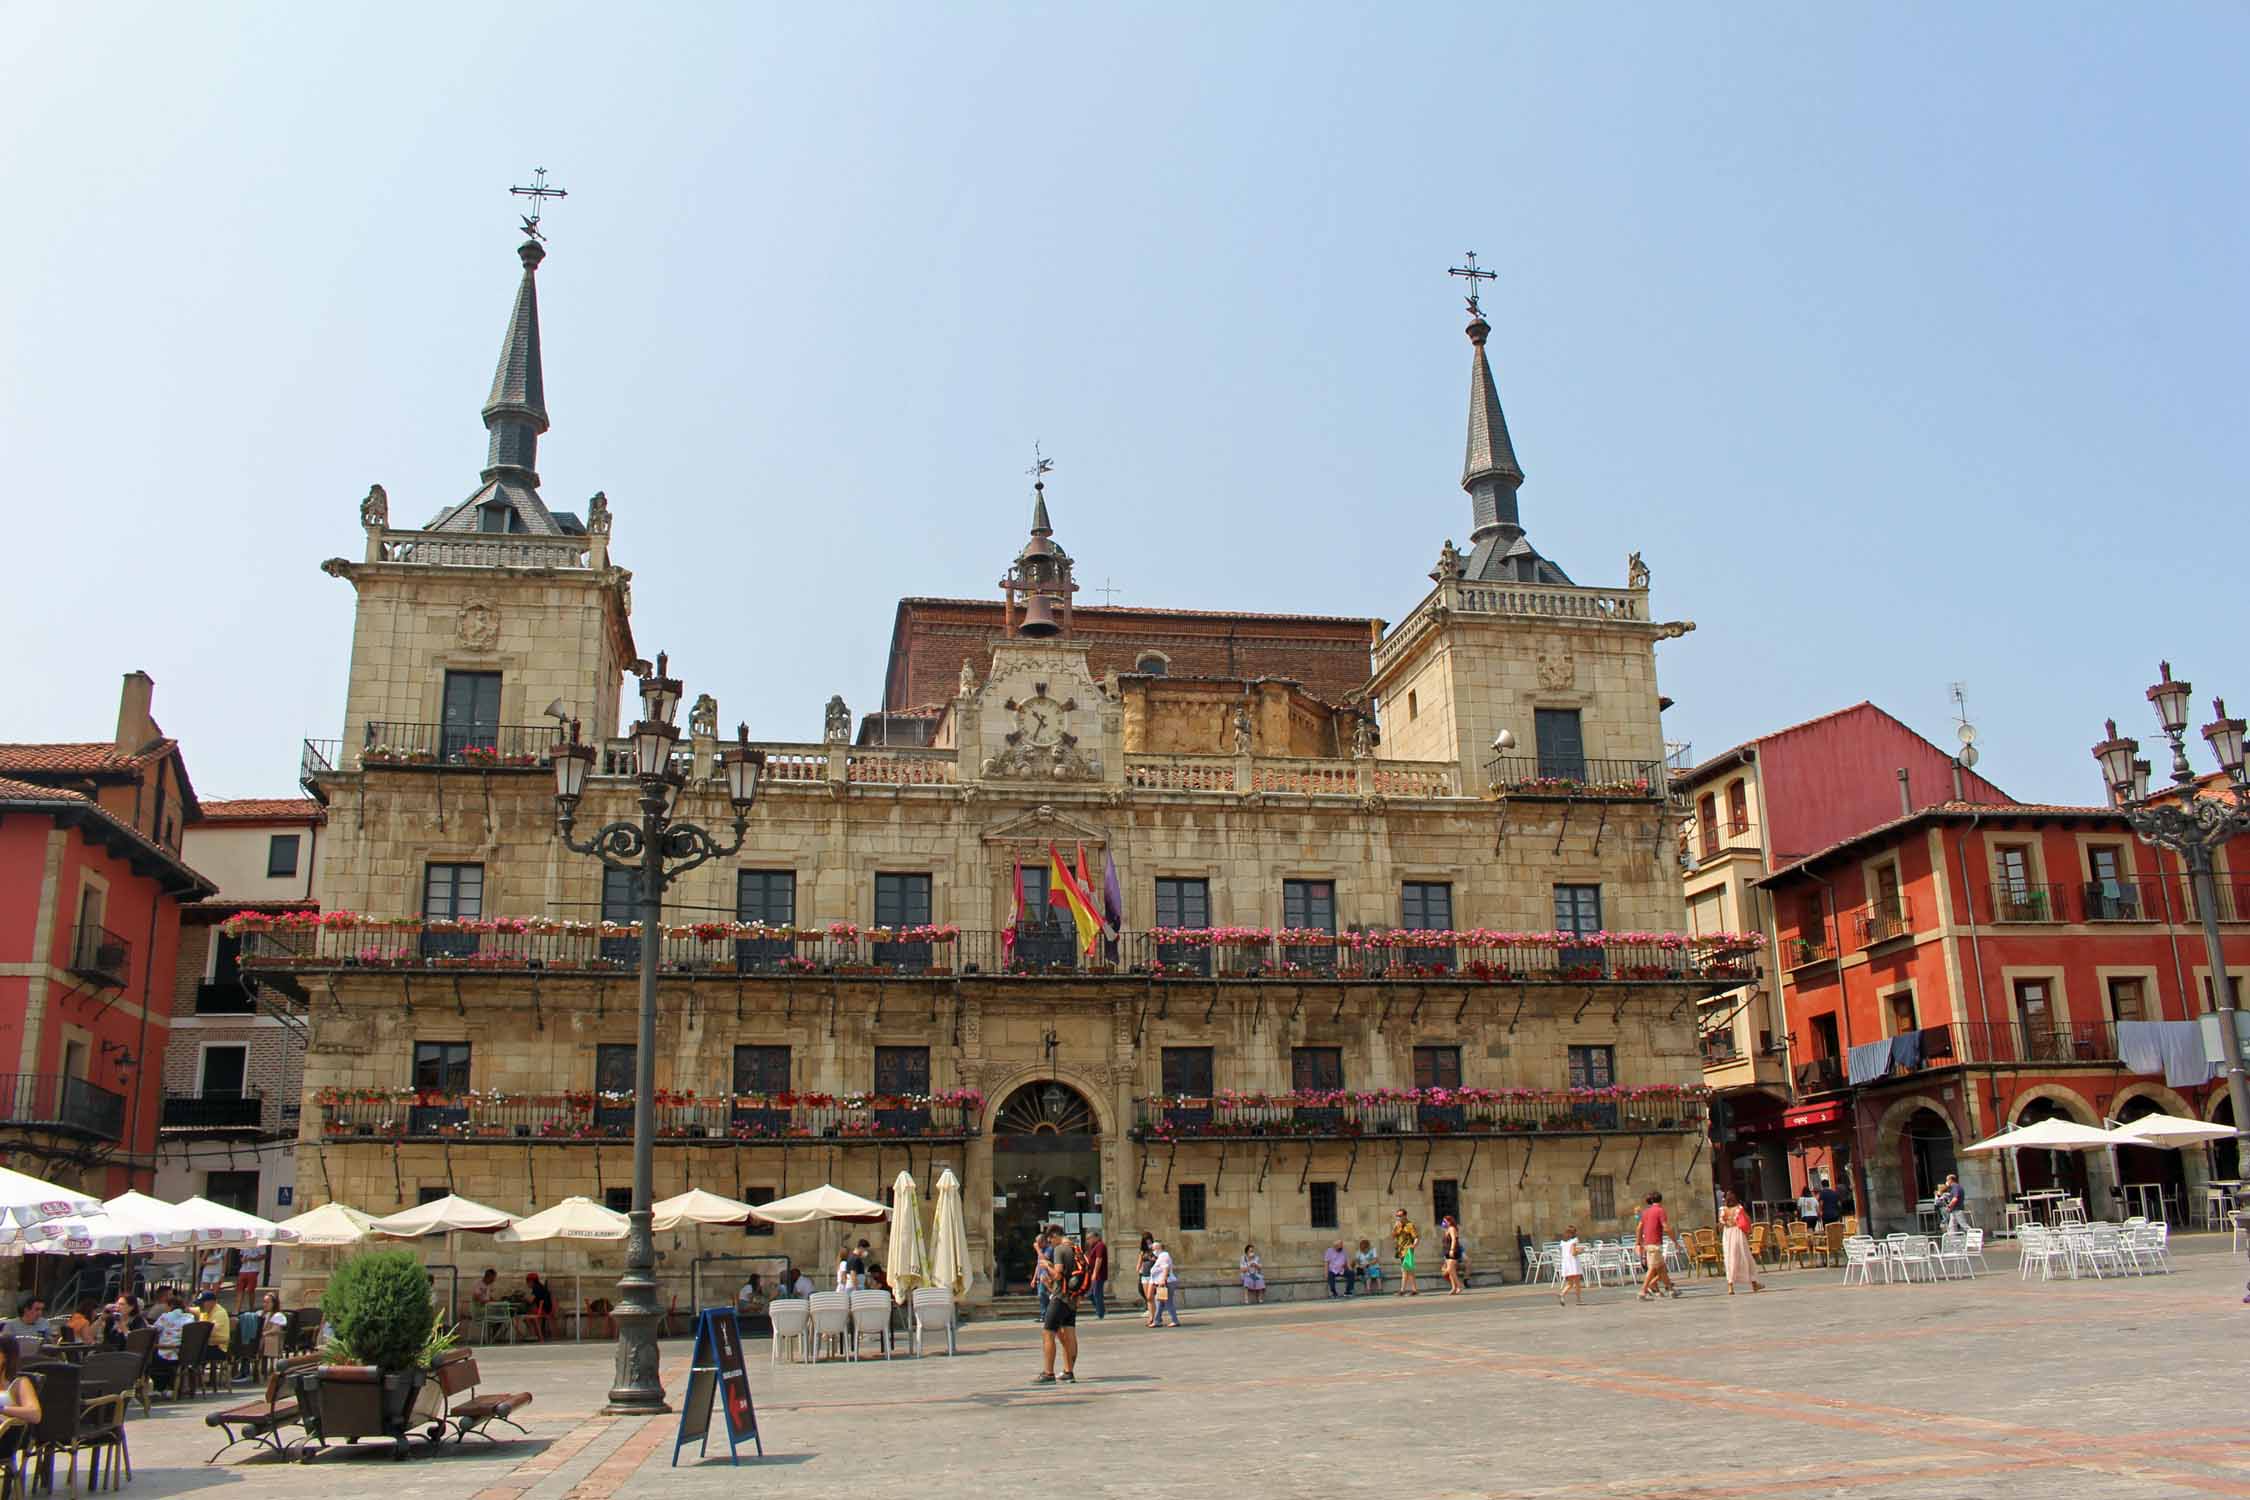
point(2042, 1201)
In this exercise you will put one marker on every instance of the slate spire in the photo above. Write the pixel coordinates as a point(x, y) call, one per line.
point(1490, 472)
point(516, 411)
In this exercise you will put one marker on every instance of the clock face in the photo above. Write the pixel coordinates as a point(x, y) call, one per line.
point(1040, 719)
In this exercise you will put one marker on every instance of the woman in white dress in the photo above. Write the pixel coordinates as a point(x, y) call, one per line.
point(1734, 1225)
point(1570, 1273)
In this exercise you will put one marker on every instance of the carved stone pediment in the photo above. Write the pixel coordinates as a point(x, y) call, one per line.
point(1041, 824)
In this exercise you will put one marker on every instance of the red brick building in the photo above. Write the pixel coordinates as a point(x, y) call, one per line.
point(1974, 965)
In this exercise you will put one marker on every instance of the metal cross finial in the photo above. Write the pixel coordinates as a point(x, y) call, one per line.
point(1040, 465)
point(1108, 593)
point(538, 193)
point(1472, 275)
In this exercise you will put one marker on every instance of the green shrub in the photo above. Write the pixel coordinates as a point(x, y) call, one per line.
point(379, 1306)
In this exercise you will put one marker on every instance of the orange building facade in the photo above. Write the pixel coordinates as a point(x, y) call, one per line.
point(1972, 966)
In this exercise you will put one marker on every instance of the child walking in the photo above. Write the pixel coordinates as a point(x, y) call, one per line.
point(1572, 1272)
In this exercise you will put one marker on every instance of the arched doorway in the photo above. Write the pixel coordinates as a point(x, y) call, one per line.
point(2038, 1170)
point(1928, 1143)
point(2150, 1163)
point(1047, 1164)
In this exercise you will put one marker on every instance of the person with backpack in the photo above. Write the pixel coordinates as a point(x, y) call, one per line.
point(1058, 1326)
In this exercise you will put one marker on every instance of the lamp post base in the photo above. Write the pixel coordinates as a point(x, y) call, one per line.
point(637, 1391)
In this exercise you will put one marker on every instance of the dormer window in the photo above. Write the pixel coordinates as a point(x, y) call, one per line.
point(498, 516)
point(1154, 663)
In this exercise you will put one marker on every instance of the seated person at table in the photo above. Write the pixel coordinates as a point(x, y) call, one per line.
point(482, 1294)
point(752, 1297)
point(169, 1322)
point(30, 1321)
point(19, 1394)
point(1370, 1266)
point(875, 1280)
point(803, 1288)
point(208, 1310)
point(79, 1326)
point(541, 1318)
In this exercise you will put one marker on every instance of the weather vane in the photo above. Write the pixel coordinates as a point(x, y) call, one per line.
point(538, 193)
point(1472, 275)
point(1041, 466)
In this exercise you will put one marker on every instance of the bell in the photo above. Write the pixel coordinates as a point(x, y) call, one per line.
point(1039, 618)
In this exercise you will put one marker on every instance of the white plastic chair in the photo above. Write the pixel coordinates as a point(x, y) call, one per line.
point(933, 1309)
point(2044, 1248)
point(832, 1319)
point(1972, 1248)
point(1911, 1252)
point(871, 1319)
point(2070, 1211)
point(1861, 1256)
point(2097, 1246)
point(1952, 1257)
point(792, 1319)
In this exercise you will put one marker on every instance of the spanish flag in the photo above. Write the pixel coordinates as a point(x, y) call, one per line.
point(1064, 890)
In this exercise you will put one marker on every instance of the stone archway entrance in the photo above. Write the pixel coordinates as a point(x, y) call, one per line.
point(1928, 1144)
point(1047, 1165)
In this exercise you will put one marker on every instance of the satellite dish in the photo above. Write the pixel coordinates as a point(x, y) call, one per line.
point(1966, 734)
point(1968, 756)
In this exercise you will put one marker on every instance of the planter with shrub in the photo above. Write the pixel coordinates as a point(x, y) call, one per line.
point(384, 1338)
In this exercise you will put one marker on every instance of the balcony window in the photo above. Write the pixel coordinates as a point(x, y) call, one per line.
point(1316, 1068)
point(2128, 999)
point(1183, 903)
point(761, 1069)
point(1437, 1067)
point(1738, 806)
point(224, 1071)
point(1309, 904)
point(616, 1070)
point(767, 897)
point(2111, 896)
point(451, 893)
point(223, 993)
point(1561, 743)
point(2035, 1014)
point(621, 902)
point(1707, 824)
point(441, 1067)
point(903, 901)
point(1426, 906)
point(1578, 908)
point(1046, 937)
point(1187, 1072)
point(471, 713)
point(1593, 1067)
point(1901, 1007)
point(281, 855)
point(902, 1070)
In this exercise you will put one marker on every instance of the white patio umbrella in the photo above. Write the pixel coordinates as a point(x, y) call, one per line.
point(27, 1200)
point(330, 1226)
point(697, 1207)
point(237, 1224)
point(2047, 1135)
point(447, 1215)
point(574, 1218)
point(949, 1239)
point(909, 1257)
point(2169, 1132)
point(823, 1202)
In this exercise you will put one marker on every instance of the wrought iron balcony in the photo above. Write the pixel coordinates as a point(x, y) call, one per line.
point(719, 1119)
point(53, 1101)
point(1804, 952)
point(99, 955)
point(2016, 901)
point(215, 1112)
point(1821, 1075)
point(1881, 922)
point(1338, 1114)
point(508, 747)
point(1574, 776)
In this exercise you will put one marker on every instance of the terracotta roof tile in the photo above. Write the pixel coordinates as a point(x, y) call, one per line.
point(77, 808)
point(1943, 811)
point(264, 810)
point(23, 791)
point(86, 757)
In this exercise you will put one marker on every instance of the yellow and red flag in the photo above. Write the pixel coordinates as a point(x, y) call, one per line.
point(1065, 890)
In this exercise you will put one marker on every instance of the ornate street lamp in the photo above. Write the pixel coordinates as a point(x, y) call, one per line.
point(2192, 827)
point(657, 850)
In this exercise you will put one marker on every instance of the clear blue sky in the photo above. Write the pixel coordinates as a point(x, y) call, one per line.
point(1908, 344)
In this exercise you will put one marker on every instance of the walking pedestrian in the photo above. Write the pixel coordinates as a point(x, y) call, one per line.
point(1096, 1252)
point(1734, 1224)
point(1159, 1284)
point(1042, 1266)
point(1058, 1323)
point(1655, 1228)
point(1449, 1234)
point(1953, 1205)
point(1404, 1237)
point(1253, 1276)
point(1569, 1270)
point(1140, 1276)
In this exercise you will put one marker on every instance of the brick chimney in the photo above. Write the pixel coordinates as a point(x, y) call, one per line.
point(135, 728)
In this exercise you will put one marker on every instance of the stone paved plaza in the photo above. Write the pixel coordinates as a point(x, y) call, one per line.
point(2118, 1388)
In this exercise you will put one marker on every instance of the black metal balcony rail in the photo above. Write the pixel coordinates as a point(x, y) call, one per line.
point(520, 747)
point(1575, 776)
point(2029, 1044)
point(1032, 952)
point(1881, 922)
point(1720, 1048)
point(100, 955)
point(53, 1101)
point(1801, 952)
point(1819, 1075)
point(2023, 901)
point(1339, 1114)
point(501, 1119)
point(318, 758)
point(218, 1110)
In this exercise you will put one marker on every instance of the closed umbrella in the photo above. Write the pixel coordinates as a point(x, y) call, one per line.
point(909, 1257)
point(949, 1239)
point(329, 1226)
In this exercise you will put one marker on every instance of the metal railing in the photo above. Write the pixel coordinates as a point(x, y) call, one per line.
point(1719, 1047)
point(1041, 951)
point(502, 1119)
point(490, 746)
point(103, 956)
point(214, 1109)
point(1575, 776)
point(2020, 901)
point(1523, 1111)
point(1883, 922)
point(1819, 1075)
point(53, 1101)
point(1800, 952)
point(318, 758)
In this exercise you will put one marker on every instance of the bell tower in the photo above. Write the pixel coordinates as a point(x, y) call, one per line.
point(1038, 585)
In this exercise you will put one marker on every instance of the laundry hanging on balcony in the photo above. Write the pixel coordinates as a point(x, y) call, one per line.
point(1867, 1062)
point(2173, 1048)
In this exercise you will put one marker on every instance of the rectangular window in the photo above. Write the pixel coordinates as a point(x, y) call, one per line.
point(767, 897)
point(1562, 745)
point(618, 1200)
point(223, 993)
point(441, 1067)
point(225, 1071)
point(2012, 863)
point(1601, 1197)
point(1707, 913)
point(1902, 1013)
point(1309, 904)
point(1323, 1196)
point(1825, 1042)
point(754, 1197)
point(1890, 900)
point(1191, 1206)
point(1437, 1067)
point(615, 1072)
point(1183, 903)
point(1424, 906)
point(1445, 1202)
point(1738, 807)
point(2128, 1000)
point(2110, 895)
point(430, 1193)
point(902, 1070)
point(902, 901)
point(761, 1070)
point(281, 855)
point(236, 1190)
point(451, 893)
point(471, 713)
point(1047, 938)
point(2035, 1013)
point(621, 902)
point(1593, 1067)
point(1187, 1072)
point(1578, 908)
point(1707, 824)
point(1316, 1068)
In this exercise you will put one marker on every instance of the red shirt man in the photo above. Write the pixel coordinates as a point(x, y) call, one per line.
point(1655, 1226)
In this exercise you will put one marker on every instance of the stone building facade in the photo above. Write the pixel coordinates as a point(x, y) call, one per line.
point(1249, 1053)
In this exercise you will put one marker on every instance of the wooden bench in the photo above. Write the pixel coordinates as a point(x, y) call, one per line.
point(456, 1373)
point(262, 1421)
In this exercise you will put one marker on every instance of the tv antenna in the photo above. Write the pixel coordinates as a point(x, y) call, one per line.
point(1963, 730)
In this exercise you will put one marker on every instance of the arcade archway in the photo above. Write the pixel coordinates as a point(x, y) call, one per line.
point(1047, 1165)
